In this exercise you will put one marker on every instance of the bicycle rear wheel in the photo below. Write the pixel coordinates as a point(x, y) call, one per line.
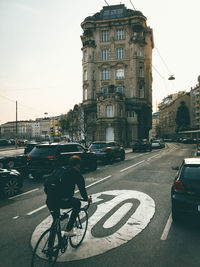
point(80, 227)
point(45, 254)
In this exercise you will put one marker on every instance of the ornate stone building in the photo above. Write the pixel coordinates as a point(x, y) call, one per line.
point(117, 74)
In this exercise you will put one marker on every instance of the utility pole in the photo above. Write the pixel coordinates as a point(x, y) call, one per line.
point(16, 134)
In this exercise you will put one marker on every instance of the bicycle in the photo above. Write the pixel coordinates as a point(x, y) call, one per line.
point(53, 244)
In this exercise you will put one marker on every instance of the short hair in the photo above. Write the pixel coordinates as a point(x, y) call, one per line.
point(74, 160)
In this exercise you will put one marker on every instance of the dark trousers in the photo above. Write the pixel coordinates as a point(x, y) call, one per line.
point(73, 203)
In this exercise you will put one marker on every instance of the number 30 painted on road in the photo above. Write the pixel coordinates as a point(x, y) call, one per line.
point(120, 215)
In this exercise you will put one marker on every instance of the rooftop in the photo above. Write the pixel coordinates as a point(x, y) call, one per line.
point(113, 12)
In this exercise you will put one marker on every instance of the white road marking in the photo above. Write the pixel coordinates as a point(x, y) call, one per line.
point(95, 243)
point(134, 165)
point(34, 211)
point(44, 206)
point(157, 155)
point(25, 193)
point(16, 217)
point(167, 228)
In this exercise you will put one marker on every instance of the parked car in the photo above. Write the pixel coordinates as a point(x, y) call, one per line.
point(4, 142)
point(141, 145)
point(44, 158)
point(185, 191)
point(29, 146)
point(107, 151)
point(18, 163)
point(157, 144)
point(10, 182)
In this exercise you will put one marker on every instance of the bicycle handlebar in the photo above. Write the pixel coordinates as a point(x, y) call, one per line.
point(88, 205)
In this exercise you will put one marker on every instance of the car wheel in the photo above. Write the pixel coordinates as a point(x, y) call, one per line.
point(11, 164)
point(122, 156)
point(93, 166)
point(11, 187)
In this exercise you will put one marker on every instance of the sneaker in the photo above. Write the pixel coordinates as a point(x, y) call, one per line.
point(70, 233)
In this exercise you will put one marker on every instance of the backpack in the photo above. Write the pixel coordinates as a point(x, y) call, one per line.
point(53, 183)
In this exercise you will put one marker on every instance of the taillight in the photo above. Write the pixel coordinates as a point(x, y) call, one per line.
point(29, 157)
point(179, 187)
point(51, 157)
point(105, 149)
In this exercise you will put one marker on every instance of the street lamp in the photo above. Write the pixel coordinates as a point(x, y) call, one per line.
point(171, 77)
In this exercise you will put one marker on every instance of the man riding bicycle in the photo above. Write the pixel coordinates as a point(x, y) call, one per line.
point(66, 197)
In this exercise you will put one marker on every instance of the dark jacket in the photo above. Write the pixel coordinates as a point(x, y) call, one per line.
point(73, 178)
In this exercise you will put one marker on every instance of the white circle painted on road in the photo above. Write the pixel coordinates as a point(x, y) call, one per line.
point(109, 217)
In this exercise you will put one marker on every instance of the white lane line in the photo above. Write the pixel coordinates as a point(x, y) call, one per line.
point(153, 156)
point(34, 211)
point(16, 217)
point(44, 206)
point(25, 193)
point(167, 228)
point(132, 166)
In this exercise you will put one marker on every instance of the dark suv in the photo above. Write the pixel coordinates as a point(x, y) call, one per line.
point(44, 158)
point(141, 145)
point(107, 151)
point(185, 191)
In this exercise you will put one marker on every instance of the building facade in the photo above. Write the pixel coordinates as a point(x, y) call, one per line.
point(117, 75)
point(168, 110)
point(21, 129)
point(195, 106)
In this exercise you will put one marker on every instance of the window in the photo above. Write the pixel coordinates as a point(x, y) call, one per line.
point(119, 52)
point(104, 90)
point(104, 36)
point(93, 75)
point(120, 74)
point(105, 74)
point(141, 72)
point(85, 75)
point(85, 94)
point(85, 55)
point(141, 91)
point(130, 114)
point(105, 54)
point(121, 112)
point(120, 34)
point(140, 52)
point(109, 111)
point(120, 89)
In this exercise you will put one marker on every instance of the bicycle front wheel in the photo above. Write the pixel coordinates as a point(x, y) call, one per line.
point(46, 250)
point(80, 227)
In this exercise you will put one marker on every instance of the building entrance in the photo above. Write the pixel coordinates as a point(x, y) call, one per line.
point(110, 134)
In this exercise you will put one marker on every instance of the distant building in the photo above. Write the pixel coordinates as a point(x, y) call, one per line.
point(195, 106)
point(155, 125)
point(117, 74)
point(168, 110)
point(23, 130)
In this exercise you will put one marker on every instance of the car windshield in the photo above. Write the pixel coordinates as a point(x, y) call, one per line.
point(155, 141)
point(191, 172)
point(98, 146)
point(43, 151)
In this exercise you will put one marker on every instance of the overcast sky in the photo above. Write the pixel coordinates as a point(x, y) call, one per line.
point(40, 51)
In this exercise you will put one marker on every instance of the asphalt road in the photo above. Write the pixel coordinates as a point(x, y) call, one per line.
point(130, 220)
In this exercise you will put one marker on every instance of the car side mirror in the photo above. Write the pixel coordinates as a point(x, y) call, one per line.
point(175, 168)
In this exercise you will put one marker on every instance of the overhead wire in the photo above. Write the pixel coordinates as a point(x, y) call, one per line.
point(132, 4)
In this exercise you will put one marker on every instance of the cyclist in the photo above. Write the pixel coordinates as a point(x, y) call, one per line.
point(66, 197)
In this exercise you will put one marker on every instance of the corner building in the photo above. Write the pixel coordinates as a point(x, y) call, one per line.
point(117, 75)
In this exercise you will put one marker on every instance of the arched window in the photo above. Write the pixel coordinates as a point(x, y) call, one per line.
point(109, 111)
